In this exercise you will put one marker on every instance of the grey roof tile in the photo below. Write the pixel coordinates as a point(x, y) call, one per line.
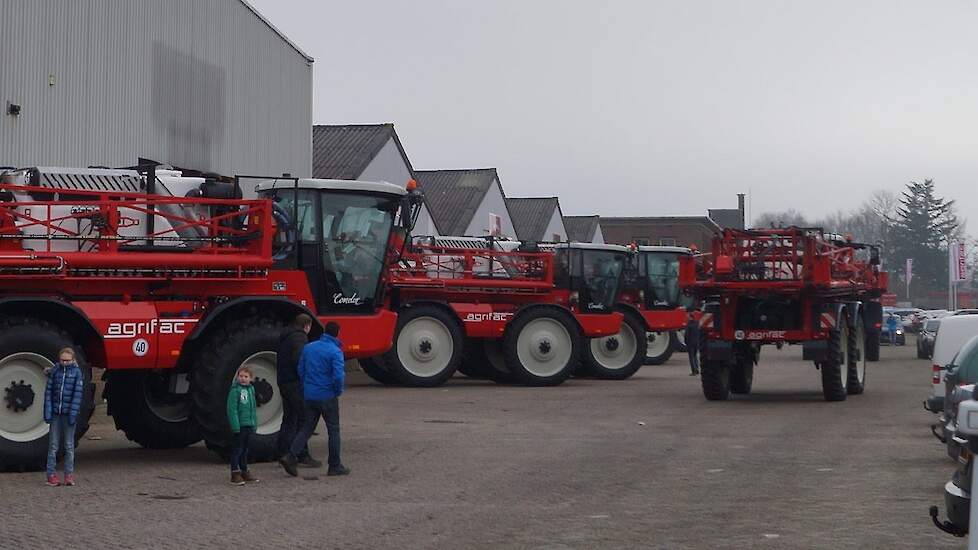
point(454, 196)
point(581, 228)
point(531, 216)
point(726, 217)
point(344, 151)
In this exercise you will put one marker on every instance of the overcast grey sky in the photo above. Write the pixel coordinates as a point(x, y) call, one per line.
point(661, 107)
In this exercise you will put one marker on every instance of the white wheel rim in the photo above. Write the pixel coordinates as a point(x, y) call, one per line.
point(269, 414)
point(617, 351)
point(861, 346)
point(544, 347)
point(425, 347)
point(844, 369)
point(24, 425)
point(681, 336)
point(174, 411)
point(658, 344)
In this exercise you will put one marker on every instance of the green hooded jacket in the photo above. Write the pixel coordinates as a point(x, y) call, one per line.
point(242, 408)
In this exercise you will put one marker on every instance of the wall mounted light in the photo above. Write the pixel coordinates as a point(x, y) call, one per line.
point(13, 109)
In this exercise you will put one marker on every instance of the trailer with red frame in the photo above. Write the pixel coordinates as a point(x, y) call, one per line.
point(654, 311)
point(501, 309)
point(172, 283)
point(787, 285)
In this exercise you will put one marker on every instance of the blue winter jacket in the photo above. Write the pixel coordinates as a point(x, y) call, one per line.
point(321, 369)
point(64, 392)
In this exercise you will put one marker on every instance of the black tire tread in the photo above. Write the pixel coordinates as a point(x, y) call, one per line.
point(831, 369)
point(590, 366)
point(210, 385)
point(375, 368)
point(128, 410)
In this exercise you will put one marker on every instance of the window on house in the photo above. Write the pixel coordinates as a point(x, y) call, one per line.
point(640, 241)
point(555, 237)
point(667, 241)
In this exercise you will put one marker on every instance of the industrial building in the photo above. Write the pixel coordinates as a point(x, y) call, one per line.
point(208, 85)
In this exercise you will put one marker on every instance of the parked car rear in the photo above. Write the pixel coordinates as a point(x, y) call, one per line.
point(955, 331)
point(925, 341)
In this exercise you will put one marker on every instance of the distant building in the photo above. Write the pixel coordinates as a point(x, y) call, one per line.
point(673, 230)
point(584, 229)
point(537, 219)
point(368, 152)
point(466, 202)
point(209, 86)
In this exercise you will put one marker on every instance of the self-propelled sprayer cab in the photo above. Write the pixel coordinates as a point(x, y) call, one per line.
point(654, 271)
point(338, 232)
point(592, 272)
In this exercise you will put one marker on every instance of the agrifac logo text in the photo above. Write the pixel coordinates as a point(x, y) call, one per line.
point(484, 317)
point(145, 328)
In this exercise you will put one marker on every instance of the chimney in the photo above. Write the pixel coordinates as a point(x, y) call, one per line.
point(740, 206)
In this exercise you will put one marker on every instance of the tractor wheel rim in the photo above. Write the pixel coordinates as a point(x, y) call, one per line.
point(681, 337)
point(164, 405)
point(844, 368)
point(618, 356)
point(425, 347)
point(861, 346)
point(270, 412)
point(25, 371)
point(544, 347)
point(658, 344)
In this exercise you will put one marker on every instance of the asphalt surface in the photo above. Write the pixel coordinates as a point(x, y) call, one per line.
point(645, 462)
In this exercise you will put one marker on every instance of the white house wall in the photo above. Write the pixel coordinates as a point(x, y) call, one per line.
point(388, 165)
point(598, 236)
point(202, 85)
point(492, 203)
point(555, 227)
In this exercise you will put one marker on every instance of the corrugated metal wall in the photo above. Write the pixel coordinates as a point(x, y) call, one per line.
point(203, 84)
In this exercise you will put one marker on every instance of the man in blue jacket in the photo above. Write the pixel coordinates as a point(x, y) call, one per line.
point(321, 370)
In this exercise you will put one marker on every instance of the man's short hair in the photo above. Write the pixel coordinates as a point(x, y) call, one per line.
point(332, 328)
point(301, 321)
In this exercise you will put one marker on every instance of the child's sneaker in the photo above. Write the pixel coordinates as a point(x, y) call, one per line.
point(53, 481)
point(236, 478)
point(69, 480)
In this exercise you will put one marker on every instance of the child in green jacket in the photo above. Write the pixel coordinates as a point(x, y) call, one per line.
point(243, 418)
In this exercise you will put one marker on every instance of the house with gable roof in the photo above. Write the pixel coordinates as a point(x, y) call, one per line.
point(466, 202)
point(584, 229)
point(367, 152)
point(537, 218)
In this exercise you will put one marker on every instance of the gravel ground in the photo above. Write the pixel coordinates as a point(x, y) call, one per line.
point(645, 462)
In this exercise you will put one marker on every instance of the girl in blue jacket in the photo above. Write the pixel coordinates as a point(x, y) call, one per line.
point(62, 402)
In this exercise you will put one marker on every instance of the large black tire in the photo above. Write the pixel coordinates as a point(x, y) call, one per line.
point(542, 346)
point(662, 353)
point(376, 368)
point(742, 376)
point(715, 379)
point(147, 414)
point(484, 357)
point(856, 376)
point(251, 339)
point(27, 345)
point(835, 368)
point(872, 346)
point(619, 356)
point(427, 346)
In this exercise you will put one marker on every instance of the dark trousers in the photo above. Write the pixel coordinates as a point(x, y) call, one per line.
point(293, 415)
point(239, 449)
point(330, 411)
point(694, 358)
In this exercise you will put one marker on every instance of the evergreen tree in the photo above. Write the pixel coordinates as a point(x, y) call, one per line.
point(923, 227)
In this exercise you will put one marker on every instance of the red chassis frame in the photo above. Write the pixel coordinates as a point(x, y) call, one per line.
point(145, 303)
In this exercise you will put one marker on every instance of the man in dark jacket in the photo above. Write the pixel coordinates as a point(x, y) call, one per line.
point(693, 343)
point(322, 371)
point(290, 347)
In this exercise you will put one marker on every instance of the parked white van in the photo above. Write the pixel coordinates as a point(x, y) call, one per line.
point(954, 332)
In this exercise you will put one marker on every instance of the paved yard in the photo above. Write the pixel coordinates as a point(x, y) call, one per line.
point(641, 463)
